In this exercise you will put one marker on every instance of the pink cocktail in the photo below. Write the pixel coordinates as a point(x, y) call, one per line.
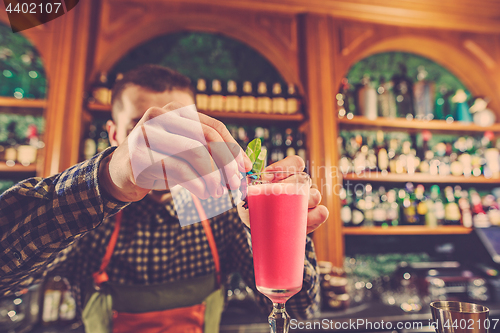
point(277, 203)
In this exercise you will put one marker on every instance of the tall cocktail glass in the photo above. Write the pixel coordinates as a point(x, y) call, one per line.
point(277, 203)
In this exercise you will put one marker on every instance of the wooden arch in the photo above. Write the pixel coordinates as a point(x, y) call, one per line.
point(471, 70)
point(274, 37)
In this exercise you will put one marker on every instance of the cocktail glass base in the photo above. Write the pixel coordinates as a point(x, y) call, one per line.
point(279, 320)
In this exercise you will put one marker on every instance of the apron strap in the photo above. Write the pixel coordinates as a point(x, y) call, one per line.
point(101, 276)
point(210, 236)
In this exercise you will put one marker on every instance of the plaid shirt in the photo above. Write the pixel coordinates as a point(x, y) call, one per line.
point(64, 223)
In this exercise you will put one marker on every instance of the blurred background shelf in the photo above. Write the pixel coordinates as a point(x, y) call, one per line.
point(418, 178)
point(406, 230)
point(299, 117)
point(416, 125)
point(22, 103)
point(17, 168)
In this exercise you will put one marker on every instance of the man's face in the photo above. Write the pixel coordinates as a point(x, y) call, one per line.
point(136, 101)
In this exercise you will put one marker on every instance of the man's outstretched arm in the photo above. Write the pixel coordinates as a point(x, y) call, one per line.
point(39, 217)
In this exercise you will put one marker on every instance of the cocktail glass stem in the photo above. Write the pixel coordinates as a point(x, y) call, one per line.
point(279, 319)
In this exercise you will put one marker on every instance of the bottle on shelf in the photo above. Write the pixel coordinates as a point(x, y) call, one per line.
point(264, 102)
point(289, 142)
point(423, 96)
point(202, 98)
point(380, 208)
point(392, 208)
point(410, 206)
point(216, 101)
point(462, 109)
point(248, 101)
point(465, 209)
point(102, 141)
point(358, 209)
point(27, 152)
point(101, 91)
point(292, 100)
point(422, 207)
point(53, 289)
point(386, 99)
point(345, 100)
point(90, 144)
point(346, 210)
point(232, 98)
point(300, 144)
point(277, 152)
point(451, 210)
point(369, 206)
point(442, 103)
point(10, 154)
point(279, 101)
point(367, 99)
point(403, 89)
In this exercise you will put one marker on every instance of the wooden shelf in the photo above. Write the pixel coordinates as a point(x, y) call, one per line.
point(407, 230)
point(416, 125)
point(418, 178)
point(224, 115)
point(17, 168)
point(22, 103)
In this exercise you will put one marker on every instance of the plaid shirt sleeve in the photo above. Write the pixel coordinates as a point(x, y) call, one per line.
point(40, 217)
point(306, 303)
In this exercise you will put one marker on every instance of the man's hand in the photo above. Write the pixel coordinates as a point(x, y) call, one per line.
point(174, 145)
point(317, 213)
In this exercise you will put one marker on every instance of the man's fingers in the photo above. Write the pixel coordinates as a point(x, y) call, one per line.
point(316, 217)
point(314, 198)
point(226, 136)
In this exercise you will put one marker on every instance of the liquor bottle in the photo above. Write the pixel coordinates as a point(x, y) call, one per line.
point(277, 152)
point(232, 103)
point(216, 102)
point(369, 205)
point(100, 91)
point(367, 99)
point(438, 205)
point(441, 105)
point(10, 155)
point(292, 100)
point(52, 295)
point(27, 152)
point(300, 144)
point(358, 215)
point(451, 210)
point(202, 98)
point(289, 143)
point(403, 89)
point(359, 161)
point(90, 144)
point(345, 99)
point(371, 157)
point(279, 101)
point(248, 101)
point(380, 208)
point(386, 99)
point(465, 208)
point(264, 102)
point(346, 211)
point(410, 206)
point(382, 156)
point(462, 109)
point(392, 208)
point(423, 96)
point(102, 141)
point(67, 308)
point(430, 217)
point(422, 208)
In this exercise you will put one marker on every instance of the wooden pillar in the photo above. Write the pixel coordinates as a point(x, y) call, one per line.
point(317, 58)
point(68, 59)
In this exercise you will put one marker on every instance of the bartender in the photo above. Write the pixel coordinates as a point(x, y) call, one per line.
point(139, 270)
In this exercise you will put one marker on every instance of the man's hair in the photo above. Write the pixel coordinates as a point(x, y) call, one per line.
point(151, 77)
